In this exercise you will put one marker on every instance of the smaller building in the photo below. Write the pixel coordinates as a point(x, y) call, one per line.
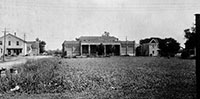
point(127, 48)
point(148, 48)
point(33, 48)
point(71, 48)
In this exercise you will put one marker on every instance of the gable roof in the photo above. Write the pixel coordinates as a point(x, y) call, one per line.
point(127, 43)
point(14, 37)
point(32, 42)
point(70, 42)
point(149, 40)
point(154, 40)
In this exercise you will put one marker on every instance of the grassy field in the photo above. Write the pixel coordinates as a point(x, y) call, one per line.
point(123, 78)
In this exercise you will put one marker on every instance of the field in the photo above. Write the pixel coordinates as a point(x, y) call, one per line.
point(123, 77)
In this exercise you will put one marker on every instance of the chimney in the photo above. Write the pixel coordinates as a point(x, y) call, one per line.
point(15, 33)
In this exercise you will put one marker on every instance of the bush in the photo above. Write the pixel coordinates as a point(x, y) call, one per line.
point(185, 54)
point(40, 76)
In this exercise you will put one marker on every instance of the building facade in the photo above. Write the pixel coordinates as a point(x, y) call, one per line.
point(98, 45)
point(17, 46)
point(149, 48)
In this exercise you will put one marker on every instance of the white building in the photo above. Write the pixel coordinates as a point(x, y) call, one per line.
point(149, 48)
point(17, 46)
point(153, 48)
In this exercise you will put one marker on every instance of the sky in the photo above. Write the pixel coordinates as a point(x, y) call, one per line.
point(55, 21)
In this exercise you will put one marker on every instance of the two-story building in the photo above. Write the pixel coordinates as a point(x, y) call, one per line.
point(17, 46)
point(148, 48)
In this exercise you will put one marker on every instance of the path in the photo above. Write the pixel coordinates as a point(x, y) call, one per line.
point(18, 60)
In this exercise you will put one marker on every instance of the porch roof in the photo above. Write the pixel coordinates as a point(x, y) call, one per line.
point(14, 48)
point(97, 43)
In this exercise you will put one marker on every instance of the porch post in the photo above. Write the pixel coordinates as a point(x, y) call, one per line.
point(113, 50)
point(120, 49)
point(104, 49)
point(89, 49)
point(96, 50)
point(81, 50)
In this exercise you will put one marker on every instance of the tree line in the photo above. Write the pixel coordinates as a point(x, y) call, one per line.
point(190, 44)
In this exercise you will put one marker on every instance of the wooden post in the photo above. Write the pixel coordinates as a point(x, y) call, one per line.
point(81, 50)
point(72, 52)
point(198, 53)
point(4, 47)
point(126, 46)
point(105, 50)
point(89, 49)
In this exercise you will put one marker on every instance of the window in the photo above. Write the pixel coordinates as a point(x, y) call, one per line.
point(9, 43)
point(17, 43)
point(153, 46)
point(1, 50)
point(0, 42)
point(153, 52)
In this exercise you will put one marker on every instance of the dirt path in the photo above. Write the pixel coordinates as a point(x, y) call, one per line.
point(18, 60)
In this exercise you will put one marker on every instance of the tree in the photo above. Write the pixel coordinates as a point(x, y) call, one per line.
point(100, 49)
point(138, 51)
point(41, 45)
point(168, 47)
point(37, 39)
point(190, 35)
point(106, 34)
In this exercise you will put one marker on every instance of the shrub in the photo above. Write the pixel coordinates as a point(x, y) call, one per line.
point(185, 54)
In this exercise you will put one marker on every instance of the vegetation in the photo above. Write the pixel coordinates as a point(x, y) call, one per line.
point(190, 35)
point(56, 52)
point(168, 47)
point(41, 45)
point(190, 44)
point(104, 78)
point(100, 49)
point(35, 76)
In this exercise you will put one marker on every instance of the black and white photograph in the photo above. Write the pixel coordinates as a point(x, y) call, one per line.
point(99, 49)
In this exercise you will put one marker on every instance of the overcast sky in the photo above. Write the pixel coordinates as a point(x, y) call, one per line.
point(57, 20)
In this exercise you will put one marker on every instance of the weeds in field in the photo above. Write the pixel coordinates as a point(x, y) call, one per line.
point(104, 79)
point(35, 76)
point(48, 76)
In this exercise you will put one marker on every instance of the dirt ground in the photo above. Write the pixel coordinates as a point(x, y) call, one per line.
point(11, 61)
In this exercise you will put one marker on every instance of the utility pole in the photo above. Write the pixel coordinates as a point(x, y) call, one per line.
point(25, 44)
point(126, 46)
point(197, 23)
point(4, 47)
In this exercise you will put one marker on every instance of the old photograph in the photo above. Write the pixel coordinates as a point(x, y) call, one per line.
point(99, 49)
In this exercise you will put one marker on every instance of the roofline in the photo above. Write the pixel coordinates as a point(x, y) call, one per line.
point(154, 40)
point(98, 36)
point(15, 37)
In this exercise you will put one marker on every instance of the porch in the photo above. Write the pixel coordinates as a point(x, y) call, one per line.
point(14, 51)
point(95, 49)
